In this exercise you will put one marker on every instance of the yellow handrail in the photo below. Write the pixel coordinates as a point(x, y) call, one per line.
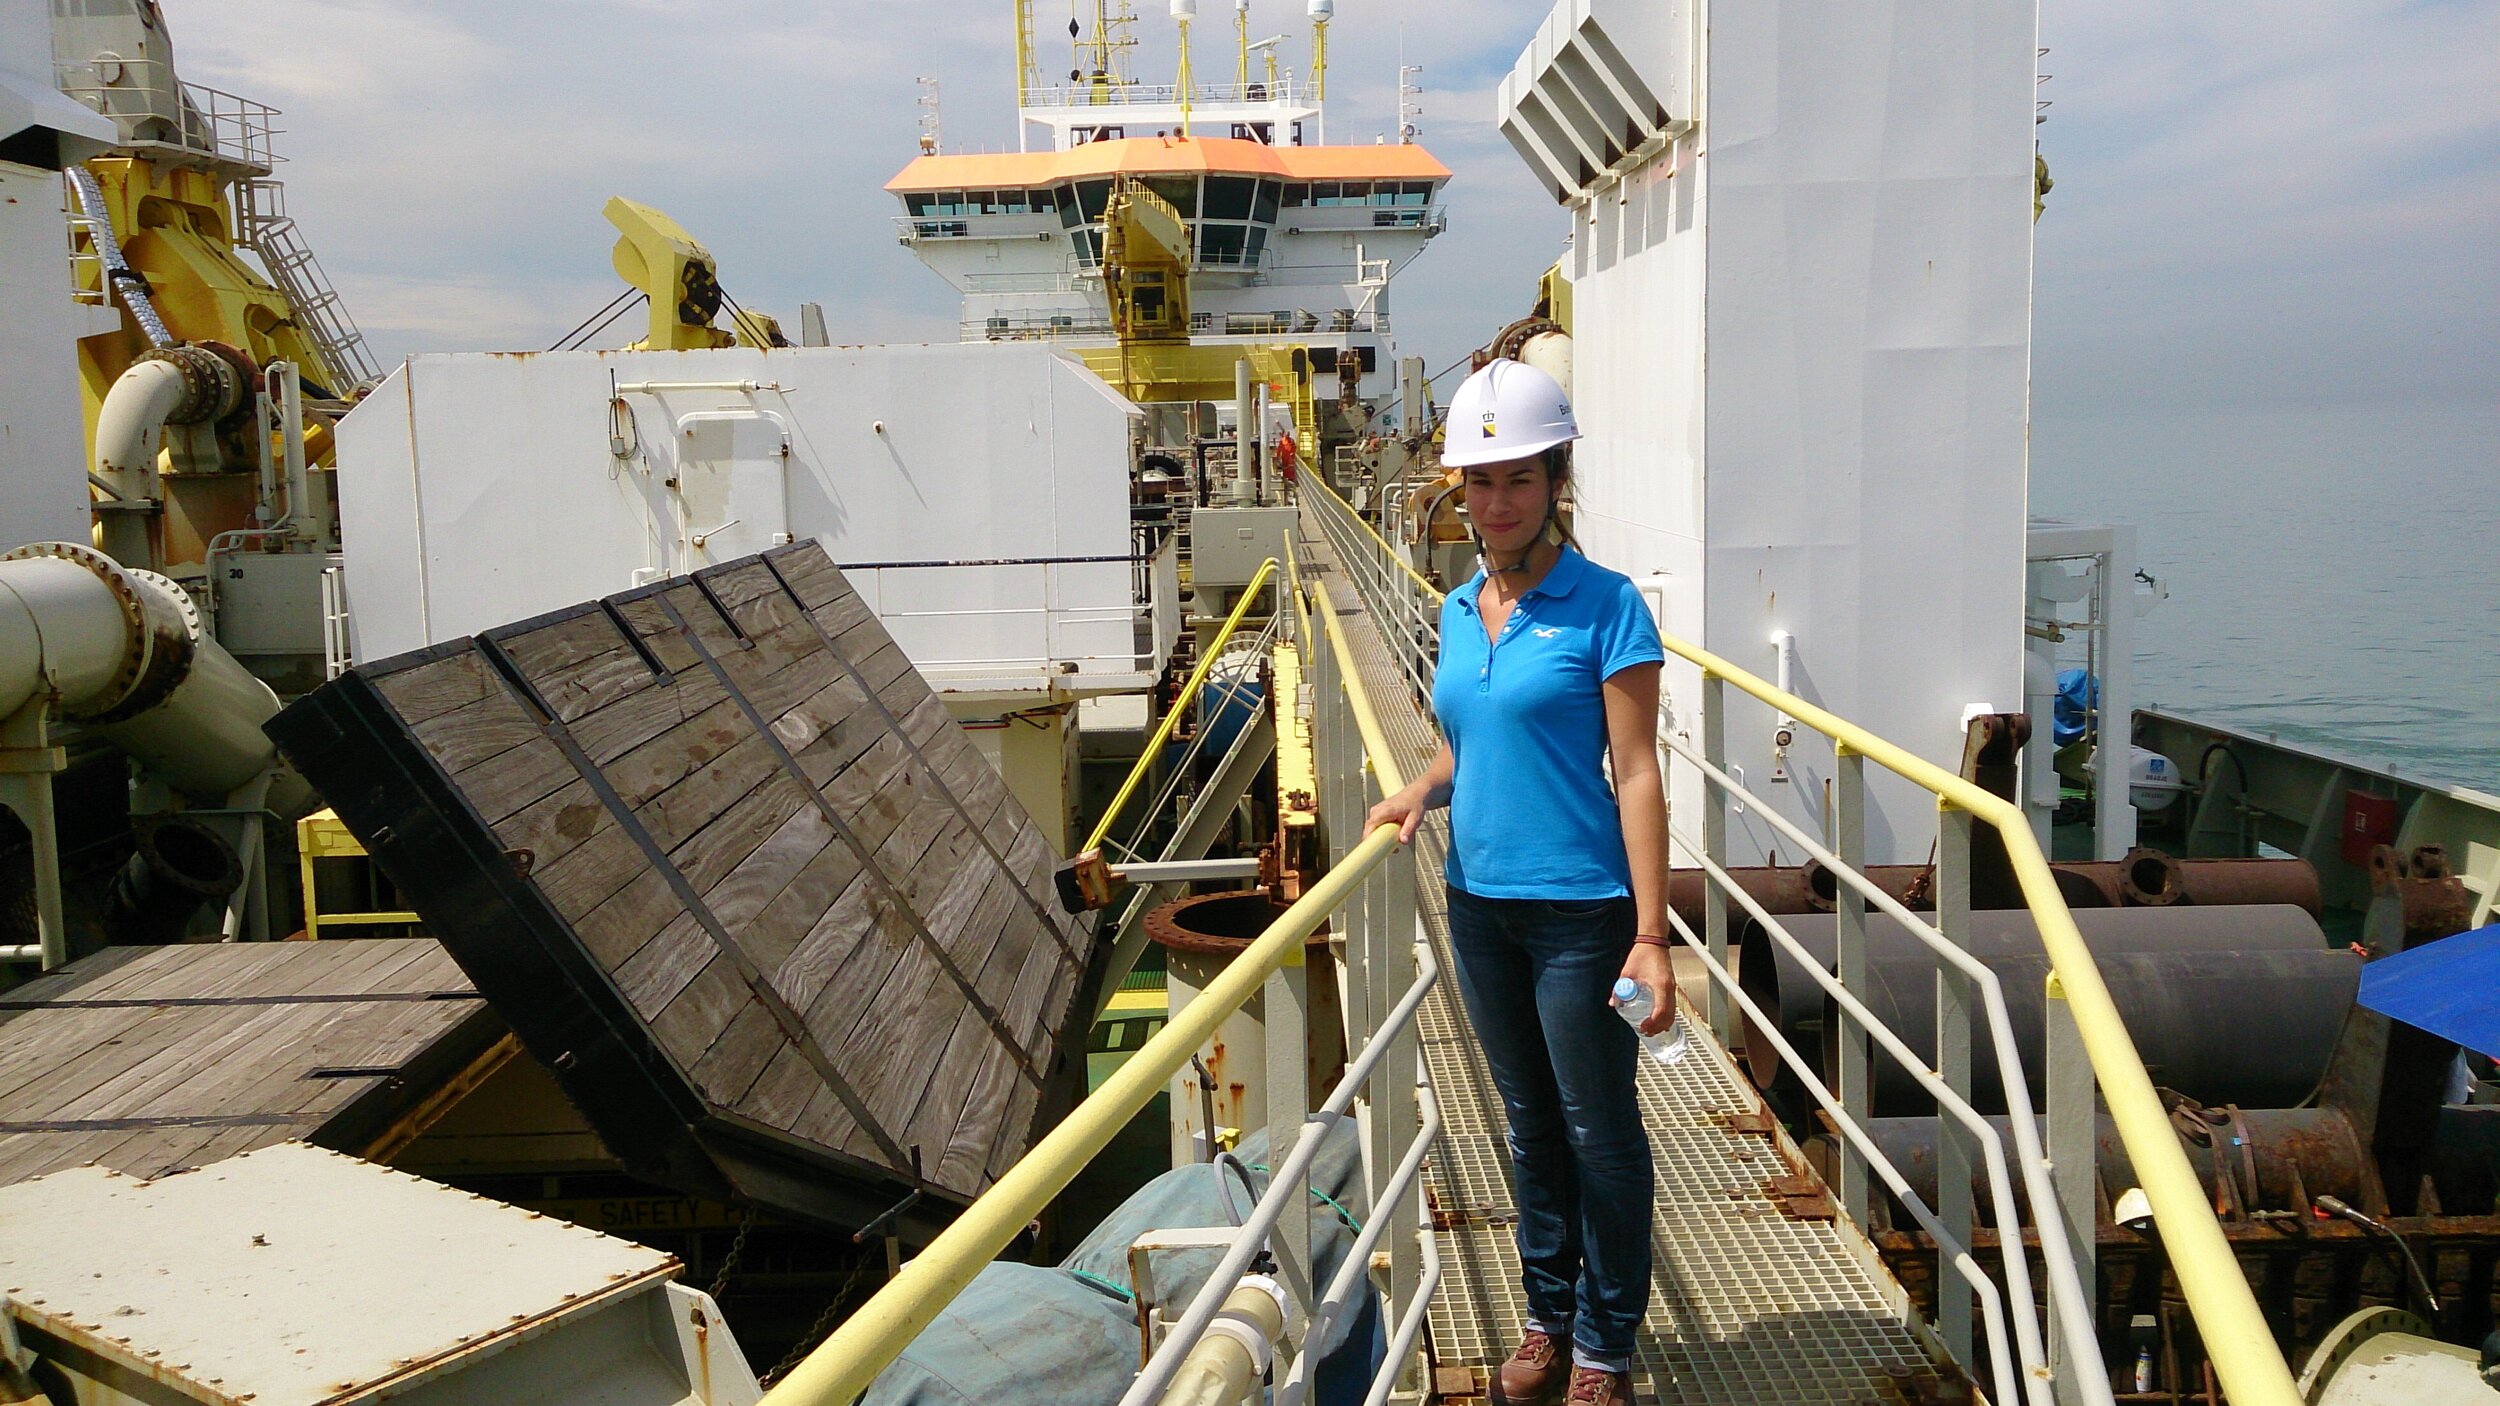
point(1376, 753)
point(845, 1363)
point(1392, 553)
point(2236, 1337)
point(1189, 690)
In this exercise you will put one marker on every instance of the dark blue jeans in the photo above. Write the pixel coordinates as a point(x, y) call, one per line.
point(1536, 976)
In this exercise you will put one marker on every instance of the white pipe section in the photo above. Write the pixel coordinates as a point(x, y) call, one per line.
point(1233, 1354)
point(60, 635)
point(131, 424)
point(289, 387)
point(121, 653)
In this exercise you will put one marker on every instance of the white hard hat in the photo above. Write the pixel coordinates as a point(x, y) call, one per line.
point(1508, 410)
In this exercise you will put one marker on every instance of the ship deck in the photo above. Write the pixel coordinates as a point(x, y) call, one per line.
point(148, 1060)
point(1747, 1304)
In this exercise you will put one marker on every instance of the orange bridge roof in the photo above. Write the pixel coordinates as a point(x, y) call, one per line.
point(1168, 156)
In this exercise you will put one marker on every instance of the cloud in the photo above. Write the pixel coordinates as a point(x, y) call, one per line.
point(2289, 203)
point(2291, 199)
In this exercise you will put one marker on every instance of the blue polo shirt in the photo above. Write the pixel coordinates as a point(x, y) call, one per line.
point(1531, 815)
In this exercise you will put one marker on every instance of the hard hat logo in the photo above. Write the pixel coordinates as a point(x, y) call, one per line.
point(1518, 411)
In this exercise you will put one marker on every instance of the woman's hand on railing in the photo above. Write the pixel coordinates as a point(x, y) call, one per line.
point(1650, 965)
point(1403, 808)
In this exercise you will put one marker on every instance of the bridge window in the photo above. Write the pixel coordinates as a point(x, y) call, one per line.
point(1221, 244)
point(1263, 209)
point(1090, 196)
point(1182, 191)
point(1296, 195)
point(1228, 197)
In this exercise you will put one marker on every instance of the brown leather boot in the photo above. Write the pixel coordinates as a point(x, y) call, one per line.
point(1534, 1372)
point(1591, 1387)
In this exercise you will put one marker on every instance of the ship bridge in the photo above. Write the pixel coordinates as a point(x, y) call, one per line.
point(1287, 242)
point(1767, 1286)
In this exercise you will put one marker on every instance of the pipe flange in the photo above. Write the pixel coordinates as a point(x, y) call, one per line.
point(212, 382)
point(159, 629)
point(182, 602)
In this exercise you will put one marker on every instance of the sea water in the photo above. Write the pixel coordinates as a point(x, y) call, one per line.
point(2333, 573)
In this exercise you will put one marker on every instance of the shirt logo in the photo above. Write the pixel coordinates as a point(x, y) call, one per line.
point(1546, 632)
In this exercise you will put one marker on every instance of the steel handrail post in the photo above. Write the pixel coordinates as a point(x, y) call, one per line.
point(1287, 1183)
point(1408, 962)
point(1400, 1181)
point(1714, 844)
point(1955, 1146)
point(1949, 1250)
point(846, 1362)
point(2072, 1305)
point(1857, 1090)
point(1402, 1339)
point(1189, 690)
point(1285, 999)
point(1953, 1108)
point(2073, 1152)
point(2236, 1337)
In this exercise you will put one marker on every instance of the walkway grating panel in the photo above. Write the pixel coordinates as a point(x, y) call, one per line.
point(1747, 1306)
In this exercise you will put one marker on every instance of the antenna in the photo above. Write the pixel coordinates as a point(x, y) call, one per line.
point(931, 137)
point(1241, 40)
point(1183, 11)
point(1101, 60)
point(1026, 74)
point(1322, 11)
point(1410, 103)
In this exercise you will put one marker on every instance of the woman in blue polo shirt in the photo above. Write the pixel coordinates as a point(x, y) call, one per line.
point(1557, 881)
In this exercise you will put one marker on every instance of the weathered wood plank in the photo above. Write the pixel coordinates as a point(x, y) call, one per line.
point(747, 1044)
point(437, 687)
point(694, 1018)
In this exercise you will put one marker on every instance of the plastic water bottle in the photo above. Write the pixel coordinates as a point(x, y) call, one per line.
point(1632, 1002)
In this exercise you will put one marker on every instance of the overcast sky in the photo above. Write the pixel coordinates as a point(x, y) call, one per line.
point(2291, 202)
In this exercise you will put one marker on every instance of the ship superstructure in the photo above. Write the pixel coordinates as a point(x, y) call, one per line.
point(1293, 239)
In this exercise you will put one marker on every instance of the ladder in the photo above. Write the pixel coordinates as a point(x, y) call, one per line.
point(263, 225)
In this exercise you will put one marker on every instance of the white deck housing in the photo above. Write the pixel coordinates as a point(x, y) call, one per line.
point(978, 494)
point(1803, 330)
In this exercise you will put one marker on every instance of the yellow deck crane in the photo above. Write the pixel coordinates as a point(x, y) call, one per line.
point(1146, 261)
point(655, 254)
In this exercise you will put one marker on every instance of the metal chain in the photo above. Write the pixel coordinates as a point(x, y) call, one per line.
point(737, 1247)
point(816, 1331)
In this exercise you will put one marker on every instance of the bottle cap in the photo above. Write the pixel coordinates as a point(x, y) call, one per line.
point(1627, 990)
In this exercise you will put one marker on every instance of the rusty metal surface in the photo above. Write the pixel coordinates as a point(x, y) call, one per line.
point(2252, 1160)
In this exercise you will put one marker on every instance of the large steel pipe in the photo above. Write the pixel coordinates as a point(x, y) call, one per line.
point(123, 653)
point(2250, 1159)
point(2145, 878)
point(2239, 1005)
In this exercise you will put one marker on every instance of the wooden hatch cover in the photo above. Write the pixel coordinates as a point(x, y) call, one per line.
point(721, 858)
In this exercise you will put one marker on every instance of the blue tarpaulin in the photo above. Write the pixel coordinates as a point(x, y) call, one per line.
point(2450, 988)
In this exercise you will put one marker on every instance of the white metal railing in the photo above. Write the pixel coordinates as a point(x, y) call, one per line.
point(160, 109)
point(1110, 98)
point(2042, 1357)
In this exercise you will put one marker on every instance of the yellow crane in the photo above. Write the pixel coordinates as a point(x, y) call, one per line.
point(1146, 262)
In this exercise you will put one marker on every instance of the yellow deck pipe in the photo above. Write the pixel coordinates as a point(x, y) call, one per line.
point(1189, 690)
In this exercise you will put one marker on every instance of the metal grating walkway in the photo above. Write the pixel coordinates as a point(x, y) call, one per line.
point(1746, 1305)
